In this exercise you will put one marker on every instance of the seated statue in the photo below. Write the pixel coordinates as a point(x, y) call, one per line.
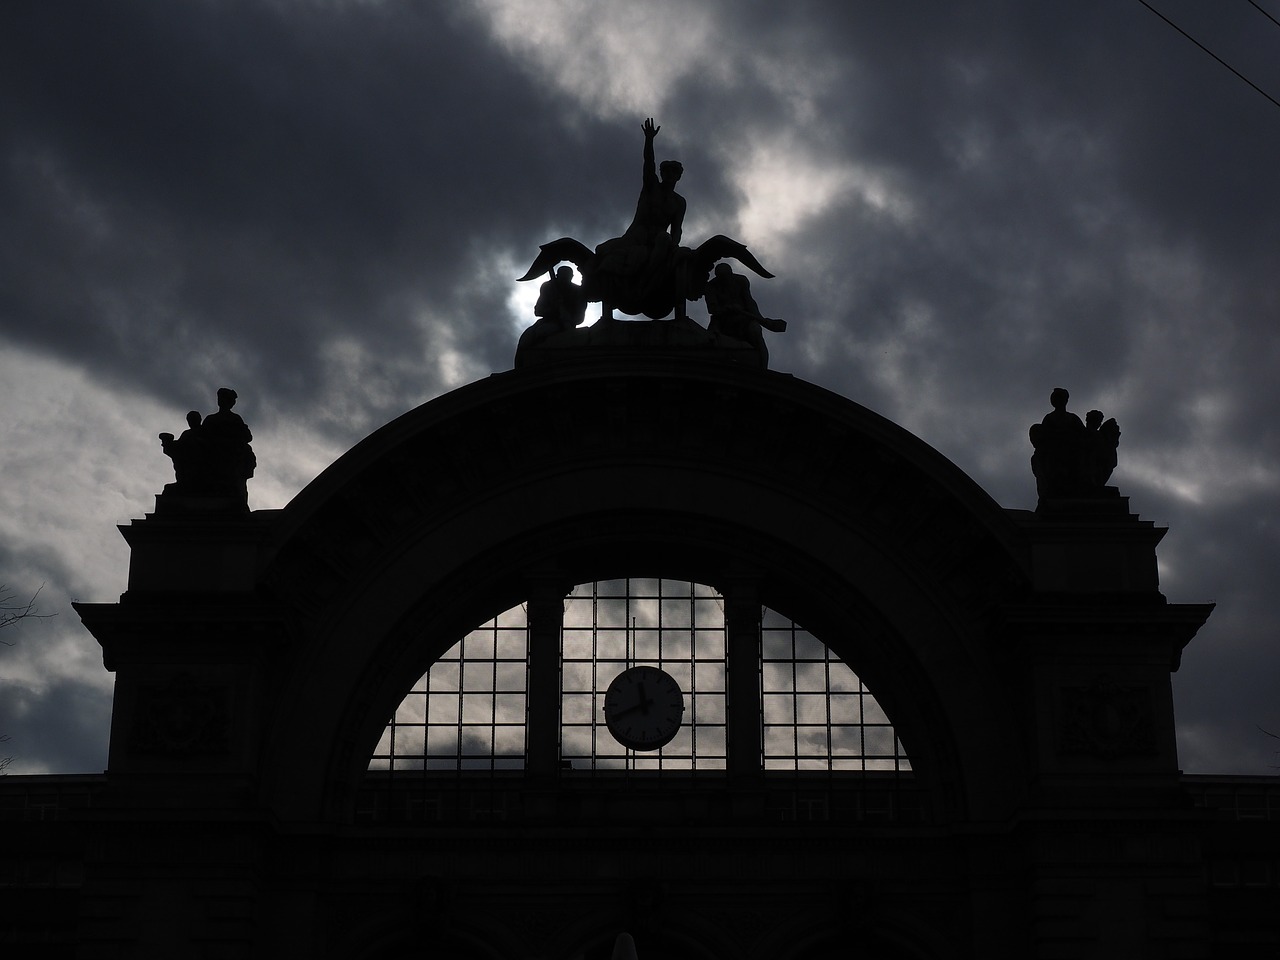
point(733, 311)
point(646, 250)
point(186, 452)
point(561, 301)
point(1101, 443)
point(561, 306)
point(1072, 460)
point(646, 270)
point(213, 456)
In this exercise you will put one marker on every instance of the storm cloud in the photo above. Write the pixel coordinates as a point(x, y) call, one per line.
point(326, 204)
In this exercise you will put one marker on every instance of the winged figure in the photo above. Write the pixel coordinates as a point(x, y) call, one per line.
point(646, 270)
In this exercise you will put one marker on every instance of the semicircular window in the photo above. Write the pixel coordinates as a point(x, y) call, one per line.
point(469, 712)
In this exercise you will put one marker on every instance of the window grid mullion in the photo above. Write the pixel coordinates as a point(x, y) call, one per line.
point(794, 669)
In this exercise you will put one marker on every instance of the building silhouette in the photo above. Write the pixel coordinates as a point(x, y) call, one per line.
point(917, 724)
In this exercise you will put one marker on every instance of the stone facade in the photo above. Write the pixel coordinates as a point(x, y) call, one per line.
point(1025, 660)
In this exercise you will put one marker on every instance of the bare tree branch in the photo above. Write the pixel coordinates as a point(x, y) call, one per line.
point(12, 611)
point(1274, 736)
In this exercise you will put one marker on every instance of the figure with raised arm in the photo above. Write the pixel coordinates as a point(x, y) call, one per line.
point(646, 270)
point(647, 246)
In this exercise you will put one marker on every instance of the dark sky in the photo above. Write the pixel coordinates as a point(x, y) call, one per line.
point(325, 205)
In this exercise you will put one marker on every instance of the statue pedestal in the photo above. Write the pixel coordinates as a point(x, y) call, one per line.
point(635, 336)
point(1093, 545)
point(191, 554)
point(1105, 503)
point(172, 503)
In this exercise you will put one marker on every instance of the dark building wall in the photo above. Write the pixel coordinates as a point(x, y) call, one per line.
point(1024, 659)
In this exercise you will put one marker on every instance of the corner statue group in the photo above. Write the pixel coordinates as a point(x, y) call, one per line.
point(1072, 459)
point(212, 458)
point(646, 271)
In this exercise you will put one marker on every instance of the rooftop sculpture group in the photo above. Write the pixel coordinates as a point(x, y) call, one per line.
point(1072, 460)
point(212, 458)
point(646, 270)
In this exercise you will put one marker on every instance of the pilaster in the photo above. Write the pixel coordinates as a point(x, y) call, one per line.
point(545, 612)
point(191, 643)
point(742, 677)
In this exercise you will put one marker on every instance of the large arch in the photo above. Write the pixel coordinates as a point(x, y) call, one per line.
point(653, 465)
point(1023, 659)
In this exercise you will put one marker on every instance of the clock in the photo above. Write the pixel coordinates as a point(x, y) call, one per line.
point(643, 708)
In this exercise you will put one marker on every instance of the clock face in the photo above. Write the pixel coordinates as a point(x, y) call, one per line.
point(643, 708)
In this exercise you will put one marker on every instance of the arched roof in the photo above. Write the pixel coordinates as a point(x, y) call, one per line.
point(643, 465)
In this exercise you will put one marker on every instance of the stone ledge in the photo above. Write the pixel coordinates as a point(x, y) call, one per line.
point(605, 336)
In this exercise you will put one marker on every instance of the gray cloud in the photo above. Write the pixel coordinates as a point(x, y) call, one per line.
point(55, 729)
point(325, 205)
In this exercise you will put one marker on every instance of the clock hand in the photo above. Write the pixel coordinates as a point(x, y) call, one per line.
point(643, 705)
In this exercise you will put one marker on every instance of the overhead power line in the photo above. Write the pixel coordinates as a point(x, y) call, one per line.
point(1254, 4)
point(1210, 52)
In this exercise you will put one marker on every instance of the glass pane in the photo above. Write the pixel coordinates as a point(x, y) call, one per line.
point(681, 672)
point(576, 708)
point(509, 741)
point(811, 677)
point(410, 741)
point(444, 676)
point(577, 676)
point(412, 709)
point(479, 645)
point(709, 676)
point(612, 644)
point(512, 645)
point(845, 709)
point(442, 741)
point(509, 708)
point(473, 700)
point(676, 614)
point(779, 708)
point(477, 677)
point(677, 645)
point(811, 708)
point(707, 708)
point(443, 709)
point(511, 677)
point(513, 618)
point(477, 708)
point(477, 740)
point(577, 614)
point(577, 645)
